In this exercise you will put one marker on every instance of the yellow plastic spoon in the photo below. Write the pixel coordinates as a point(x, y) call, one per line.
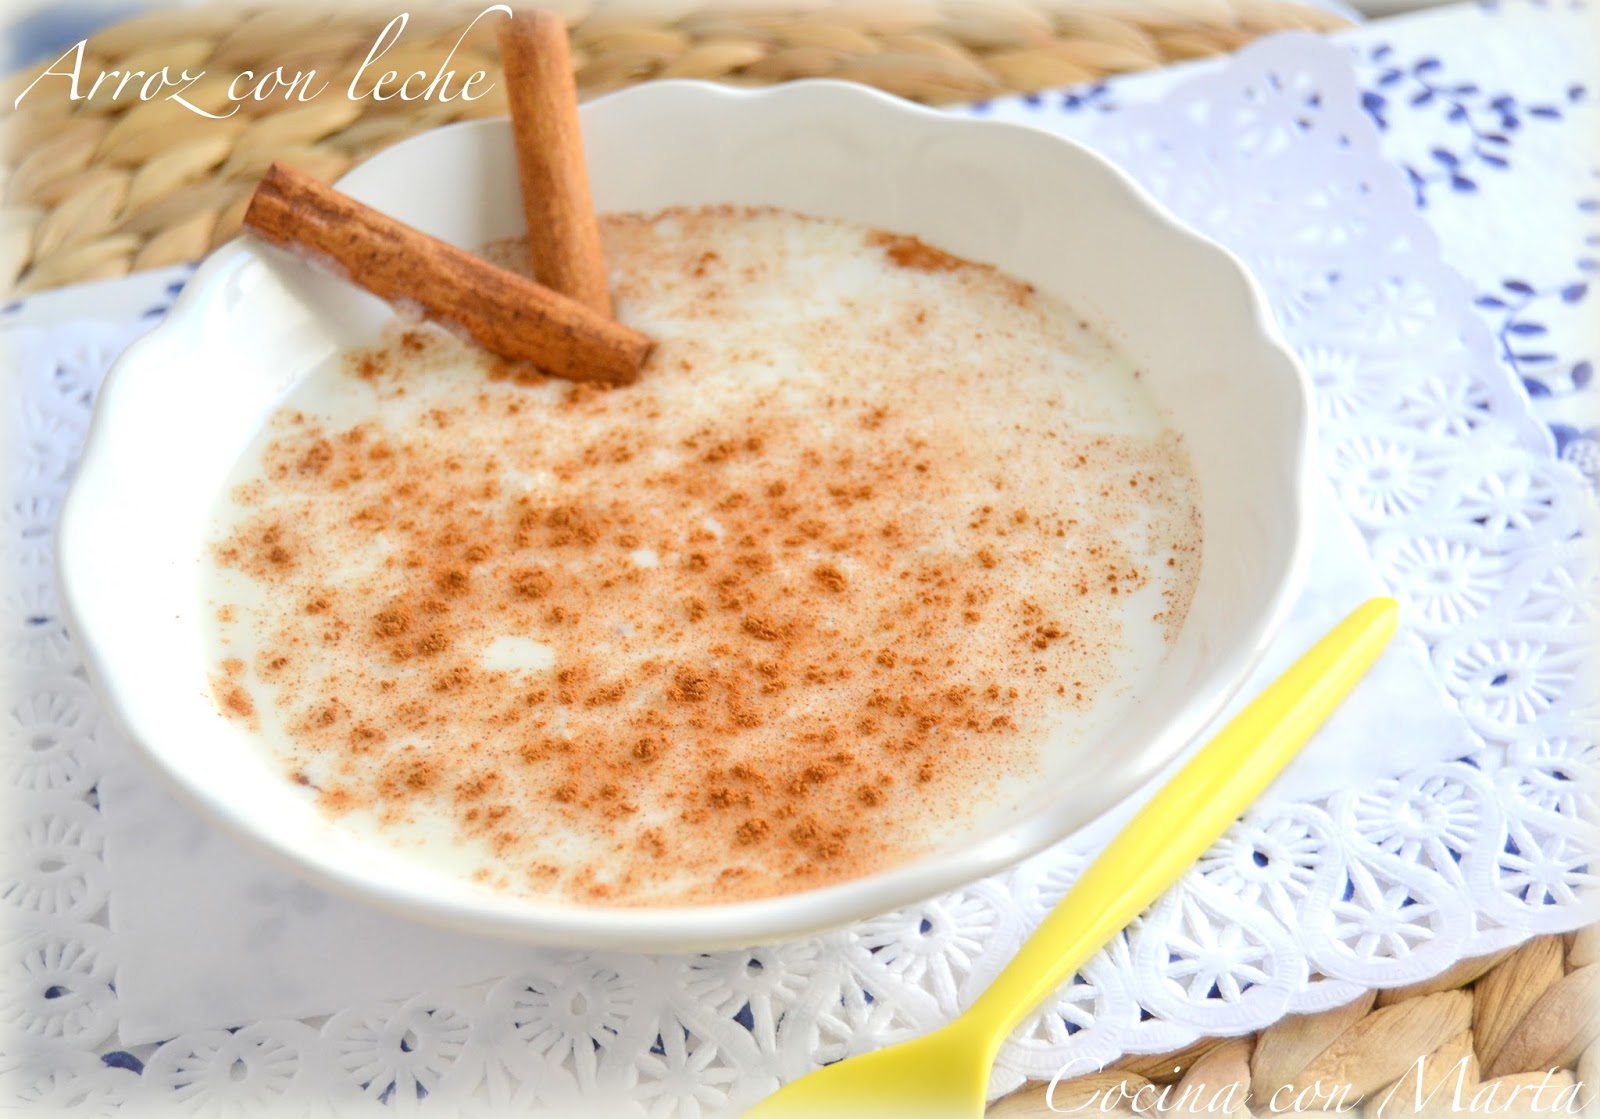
point(946, 1073)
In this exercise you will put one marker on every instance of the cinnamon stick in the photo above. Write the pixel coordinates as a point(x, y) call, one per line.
point(563, 238)
point(505, 313)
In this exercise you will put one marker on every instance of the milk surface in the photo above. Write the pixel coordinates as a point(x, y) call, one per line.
point(879, 540)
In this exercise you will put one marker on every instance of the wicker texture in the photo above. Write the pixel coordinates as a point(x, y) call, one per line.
point(1512, 1017)
point(102, 187)
point(106, 185)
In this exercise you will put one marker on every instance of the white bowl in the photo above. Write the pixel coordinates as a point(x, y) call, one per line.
point(182, 403)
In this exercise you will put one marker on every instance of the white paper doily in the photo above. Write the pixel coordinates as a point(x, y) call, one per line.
point(1433, 452)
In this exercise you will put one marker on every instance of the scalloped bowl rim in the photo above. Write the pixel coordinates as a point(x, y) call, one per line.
point(679, 927)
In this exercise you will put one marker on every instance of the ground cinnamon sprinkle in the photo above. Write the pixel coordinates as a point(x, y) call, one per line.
point(909, 252)
point(690, 640)
point(236, 700)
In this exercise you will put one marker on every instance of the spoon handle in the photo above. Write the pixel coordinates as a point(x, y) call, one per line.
point(1185, 817)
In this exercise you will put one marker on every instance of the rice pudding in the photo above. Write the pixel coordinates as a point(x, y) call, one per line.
point(877, 538)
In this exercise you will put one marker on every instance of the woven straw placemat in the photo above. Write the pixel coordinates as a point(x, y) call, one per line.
point(107, 185)
point(1490, 1029)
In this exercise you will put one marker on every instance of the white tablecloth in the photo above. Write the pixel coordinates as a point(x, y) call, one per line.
point(1466, 831)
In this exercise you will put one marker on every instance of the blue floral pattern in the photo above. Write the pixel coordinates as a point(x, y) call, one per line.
point(1522, 336)
point(1476, 132)
point(1470, 123)
point(1514, 518)
point(1099, 97)
point(1481, 125)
